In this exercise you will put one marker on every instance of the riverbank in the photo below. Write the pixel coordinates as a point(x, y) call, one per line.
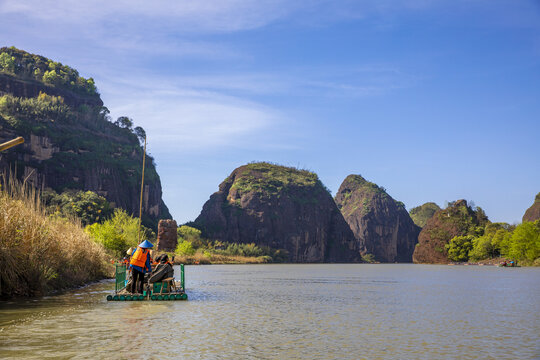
point(40, 254)
point(215, 259)
point(497, 261)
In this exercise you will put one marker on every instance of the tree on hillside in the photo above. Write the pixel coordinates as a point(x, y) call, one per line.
point(124, 122)
point(141, 134)
point(86, 205)
point(525, 242)
point(7, 63)
point(459, 247)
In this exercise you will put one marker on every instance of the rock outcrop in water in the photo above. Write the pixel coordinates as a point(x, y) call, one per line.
point(458, 219)
point(381, 225)
point(70, 142)
point(421, 214)
point(533, 213)
point(282, 208)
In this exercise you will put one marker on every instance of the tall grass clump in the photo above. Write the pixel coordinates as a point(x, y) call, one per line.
point(40, 253)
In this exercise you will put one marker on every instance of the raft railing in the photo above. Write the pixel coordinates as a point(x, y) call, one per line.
point(120, 284)
point(120, 277)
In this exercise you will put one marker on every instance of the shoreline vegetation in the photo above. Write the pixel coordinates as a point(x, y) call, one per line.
point(39, 253)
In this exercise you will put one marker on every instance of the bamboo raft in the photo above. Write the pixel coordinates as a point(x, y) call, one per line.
point(165, 290)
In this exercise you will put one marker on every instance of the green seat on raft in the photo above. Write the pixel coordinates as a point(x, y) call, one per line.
point(157, 287)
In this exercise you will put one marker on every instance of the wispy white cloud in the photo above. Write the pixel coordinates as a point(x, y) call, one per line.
point(182, 119)
point(211, 15)
point(218, 111)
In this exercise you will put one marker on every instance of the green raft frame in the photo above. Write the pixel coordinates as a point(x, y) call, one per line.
point(159, 291)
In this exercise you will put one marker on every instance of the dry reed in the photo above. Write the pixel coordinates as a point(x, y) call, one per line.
point(38, 253)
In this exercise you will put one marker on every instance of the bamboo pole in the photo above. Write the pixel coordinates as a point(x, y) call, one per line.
point(142, 188)
point(11, 143)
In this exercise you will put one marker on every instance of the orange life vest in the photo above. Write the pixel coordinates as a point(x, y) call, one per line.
point(139, 258)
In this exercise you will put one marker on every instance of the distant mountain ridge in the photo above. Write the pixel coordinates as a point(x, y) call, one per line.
point(70, 142)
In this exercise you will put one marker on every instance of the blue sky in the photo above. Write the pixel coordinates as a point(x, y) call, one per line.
point(434, 100)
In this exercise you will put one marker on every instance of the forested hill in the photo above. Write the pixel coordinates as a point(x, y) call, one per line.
point(70, 140)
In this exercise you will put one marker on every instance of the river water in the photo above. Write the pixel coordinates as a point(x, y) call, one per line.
point(330, 311)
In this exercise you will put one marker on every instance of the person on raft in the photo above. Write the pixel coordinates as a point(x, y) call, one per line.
point(140, 264)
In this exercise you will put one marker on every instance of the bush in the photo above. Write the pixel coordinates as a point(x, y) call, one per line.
point(459, 247)
point(490, 244)
point(185, 248)
point(118, 233)
point(369, 258)
point(525, 242)
point(88, 206)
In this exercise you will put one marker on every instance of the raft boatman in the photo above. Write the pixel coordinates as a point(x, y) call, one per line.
point(140, 264)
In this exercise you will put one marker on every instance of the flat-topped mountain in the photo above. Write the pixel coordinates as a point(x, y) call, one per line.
point(279, 207)
point(381, 225)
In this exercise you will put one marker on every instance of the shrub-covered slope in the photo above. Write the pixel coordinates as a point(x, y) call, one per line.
point(381, 225)
point(458, 219)
point(282, 208)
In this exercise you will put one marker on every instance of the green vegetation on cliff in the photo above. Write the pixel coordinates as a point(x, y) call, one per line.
point(269, 179)
point(88, 206)
point(35, 67)
point(460, 233)
point(348, 204)
point(421, 214)
point(457, 220)
point(71, 143)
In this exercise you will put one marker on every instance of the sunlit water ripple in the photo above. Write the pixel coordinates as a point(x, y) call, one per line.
point(330, 311)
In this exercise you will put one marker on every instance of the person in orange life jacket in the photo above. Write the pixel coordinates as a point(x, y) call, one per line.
point(139, 264)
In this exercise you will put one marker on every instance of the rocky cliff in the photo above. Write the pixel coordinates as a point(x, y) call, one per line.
point(70, 142)
point(458, 219)
point(421, 214)
point(533, 213)
point(381, 225)
point(279, 207)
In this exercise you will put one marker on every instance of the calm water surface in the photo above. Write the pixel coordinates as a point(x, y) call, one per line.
point(293, 312)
